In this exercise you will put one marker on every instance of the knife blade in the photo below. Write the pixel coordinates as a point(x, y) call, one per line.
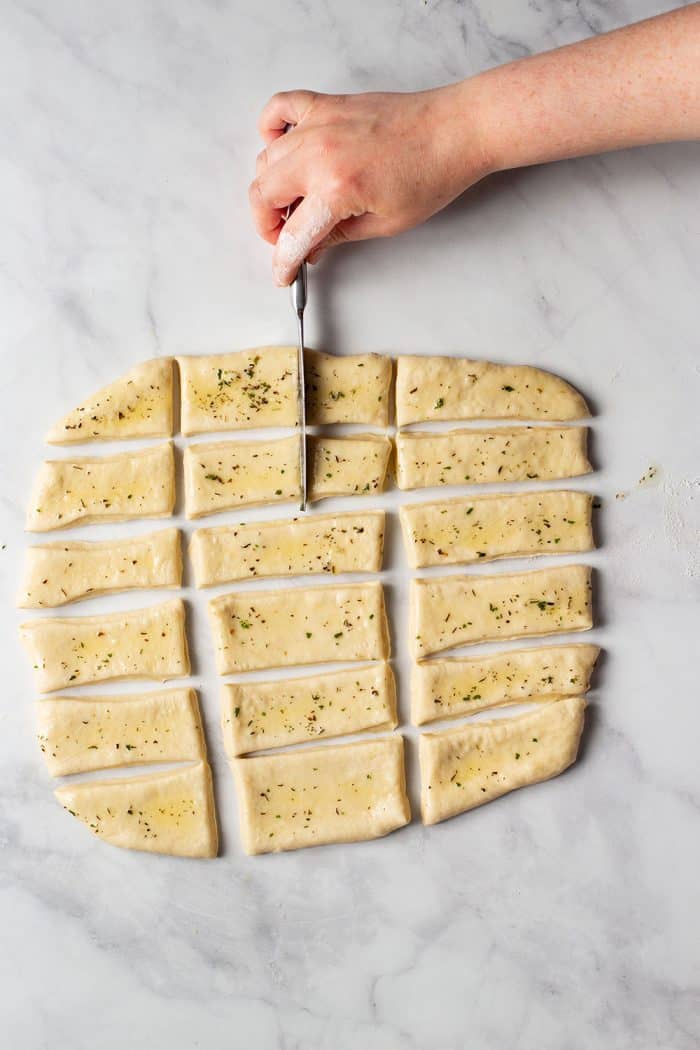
point(299, 293)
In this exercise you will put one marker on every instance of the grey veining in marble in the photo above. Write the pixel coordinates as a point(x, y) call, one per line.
point(559, 918)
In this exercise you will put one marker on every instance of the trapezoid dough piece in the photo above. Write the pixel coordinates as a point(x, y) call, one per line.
point(321, 795)
point(229, 474)
point(325, 543)
point(348, 389)
point(448, 611)
point(138, 404)
point(78, 734)
point(347, 466)
point(171, 812)
point(445, 388)
point(451, 687)
point(299, 625)
point(239, 391)
point(75, 650)
point(466, 767)
point(261, 715)
point(477, 457)
point(484, 528)
point(57, 573)
point(90, 490)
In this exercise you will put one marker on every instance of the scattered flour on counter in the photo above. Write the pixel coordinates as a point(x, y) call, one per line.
point(681, 508)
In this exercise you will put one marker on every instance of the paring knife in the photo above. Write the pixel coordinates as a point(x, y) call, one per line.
point(299, 289)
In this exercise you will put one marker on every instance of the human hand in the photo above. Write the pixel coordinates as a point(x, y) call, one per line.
point(361, 166)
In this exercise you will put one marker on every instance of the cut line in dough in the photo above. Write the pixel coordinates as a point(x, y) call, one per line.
point(138, 404)
point(240, 390)
point(75, 650)
point(326, 543)
point(89, 490)
point(318, 796)
point(349, 389)
point(485, 528)
point(299, 625)
point(478, 457)
point(347, 466)
point(171, 812)
point(466, 767)
point(453, 388)
point(448, 611)
point(229, 474)
point(448, 688)
point(80, 734)
point(257, 716)
point(70, 570)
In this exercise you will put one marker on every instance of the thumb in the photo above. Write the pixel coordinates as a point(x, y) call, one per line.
point(307, 226)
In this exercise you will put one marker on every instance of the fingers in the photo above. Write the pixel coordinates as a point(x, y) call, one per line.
point(307, 227)
point(271, 193)
point(287, 107)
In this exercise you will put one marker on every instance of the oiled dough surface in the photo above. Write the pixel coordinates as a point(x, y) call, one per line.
point(353, 388)
point(302, 625)
point(429, 388)
point(466, 767)
point(451, 687)
point(229, 474)
point(170, 812)
point(260, 715)
point(448, 611)
point(321, 795)
point(75, 650)
point(138, 404)
point(66, 571)
point(347, 466)
point(98, 489)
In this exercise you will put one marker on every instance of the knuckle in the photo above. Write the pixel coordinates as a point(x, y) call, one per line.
point(255, 192)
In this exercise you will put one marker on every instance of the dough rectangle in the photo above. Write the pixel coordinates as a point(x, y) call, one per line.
point(347, 466)
point(79, 734)
point(138, 404)
point(300, 625)
point(477, 457)
point(57, 573)
point(348, 389)
point(229, 474)
point(466, 767)
point(448, 388)
point(171, 812)
point(75, 650)
point(241, 390)
point(261, 715)
point(452, 687)
point(484, 528)
point(448, 611)
point(89, 490)
point(321, 795)
point(327, 543)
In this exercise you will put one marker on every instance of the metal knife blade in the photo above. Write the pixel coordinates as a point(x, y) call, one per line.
point(299, 291)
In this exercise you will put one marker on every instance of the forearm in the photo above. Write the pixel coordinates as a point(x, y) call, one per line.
point(635, 86)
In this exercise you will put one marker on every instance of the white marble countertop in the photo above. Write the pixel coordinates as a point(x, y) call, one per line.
point(562, 916)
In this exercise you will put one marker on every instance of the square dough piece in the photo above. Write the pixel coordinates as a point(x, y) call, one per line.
point(321, 795)
point(79, 734)
point(171, 812)
point(299, 625)
point(484, 528)
point(75, 650)
point(261, 715)
point(347, 466)
point(326, 543)
point(447, 611)
point(238, 391)
point(477, 457)
point(466, 767)
point(429, 388)
point(231, 474)
point(138, 404)
point(57, 573)
point(103, 488)
point(452, 687)
point(347, 389)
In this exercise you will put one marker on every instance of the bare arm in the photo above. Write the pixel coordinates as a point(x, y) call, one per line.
point(374, 165)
